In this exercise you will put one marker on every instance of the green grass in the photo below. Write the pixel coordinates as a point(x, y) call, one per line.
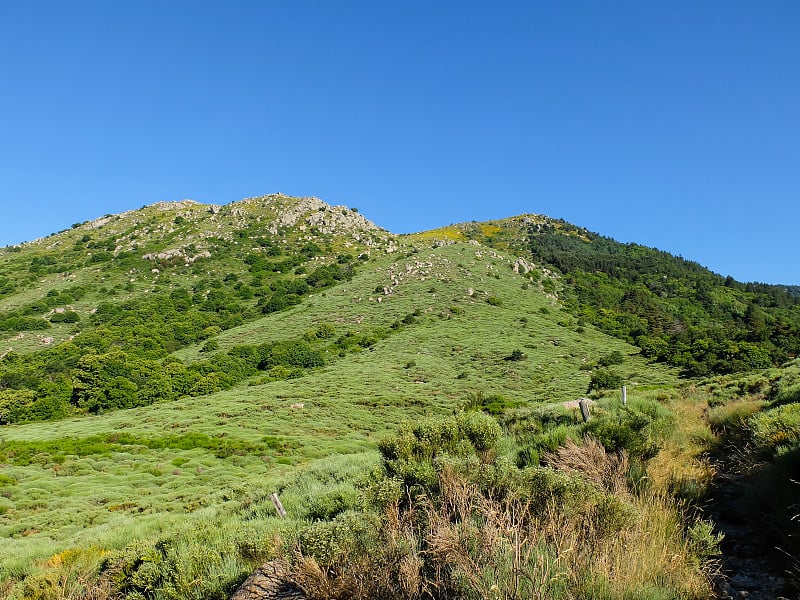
point(106, 480)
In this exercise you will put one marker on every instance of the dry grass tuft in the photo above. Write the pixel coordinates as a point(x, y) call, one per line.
point(590, 459)
point(466, 543)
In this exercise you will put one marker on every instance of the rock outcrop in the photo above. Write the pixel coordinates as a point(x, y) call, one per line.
point(269, 582)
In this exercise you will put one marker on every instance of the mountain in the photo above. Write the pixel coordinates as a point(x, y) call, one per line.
point(675, 310)
point(164, 370)
point(94, 312)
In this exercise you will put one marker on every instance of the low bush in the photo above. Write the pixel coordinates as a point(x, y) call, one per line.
point(332, 503)
point(729, 419)
point(776, 431)
point(413, 455)
point(67, 316)
point(604, 379)
point(640, 428)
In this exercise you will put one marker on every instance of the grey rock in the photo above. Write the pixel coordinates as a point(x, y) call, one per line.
point(269, 582)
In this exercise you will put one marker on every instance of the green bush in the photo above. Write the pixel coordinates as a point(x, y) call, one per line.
point(614, 358)
point(332, 503)
point(776, 431)
point(516, 355)
point(68, 316)
point(210, 346)
point(291, 353)
point(640, 428)
point(482, 430)
point(703, 541)
point(350, 533)
point(413, 455)
point(323, 331)
point(730, 419)
point(208, 384)
point(604, 379)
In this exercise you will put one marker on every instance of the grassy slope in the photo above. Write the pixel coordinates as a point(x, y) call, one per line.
point(228, 235)
point(110, 498)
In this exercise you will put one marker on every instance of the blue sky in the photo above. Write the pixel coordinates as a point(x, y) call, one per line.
point(671, 124)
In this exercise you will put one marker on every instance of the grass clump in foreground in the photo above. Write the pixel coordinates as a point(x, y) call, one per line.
point(450, 516)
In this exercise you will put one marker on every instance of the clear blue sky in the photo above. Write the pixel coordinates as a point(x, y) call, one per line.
point(671, 124)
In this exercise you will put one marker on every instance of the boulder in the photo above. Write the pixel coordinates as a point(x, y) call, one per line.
point(269, 582)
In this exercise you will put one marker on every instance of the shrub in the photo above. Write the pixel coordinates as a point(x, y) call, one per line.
point(516, 355)
point(482, 430)
point(323, 331)
point(640, 428)
point(776, 431)
point(729, 419)
point(332, 503)
point(703, 541)
point(208, 384)
point(210, 346)
point(614, 358)
point(604, 379)
point(68, 316)
point(291, 353)
point(414, 454)
point(336, 541)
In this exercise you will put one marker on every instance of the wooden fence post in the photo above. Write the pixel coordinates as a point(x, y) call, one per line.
point(584, 406)
point(624, 395)
point(278, 505)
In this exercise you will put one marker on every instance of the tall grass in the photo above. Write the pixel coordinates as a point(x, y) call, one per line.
point(466, 544)
point(486, 529)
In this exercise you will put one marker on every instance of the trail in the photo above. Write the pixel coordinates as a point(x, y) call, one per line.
point(751, 566)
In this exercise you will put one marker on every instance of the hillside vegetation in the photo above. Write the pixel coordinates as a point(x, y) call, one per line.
point(676, 311)
point(411, 399)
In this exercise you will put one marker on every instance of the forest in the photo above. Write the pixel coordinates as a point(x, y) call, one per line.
point(675, 310)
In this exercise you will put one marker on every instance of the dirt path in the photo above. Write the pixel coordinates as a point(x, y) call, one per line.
point(751, 566)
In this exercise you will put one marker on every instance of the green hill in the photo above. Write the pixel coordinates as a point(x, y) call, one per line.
point(675, 310)
point(168, 368)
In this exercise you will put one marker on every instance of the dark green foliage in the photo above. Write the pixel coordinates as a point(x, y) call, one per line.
point(108, 381)
point(604, 379)
point(614, 358)
point(675, 310)
point(310, 250)
point(355, 341)
point(19, 406)
point(322, 332)
point(103, 378)
point(7, 286)
point(23, 324)
point(328, 505)
point(516, 355)
point(292, 353)
point(494, 301)
point(278, 301)
point(413, 455)
point(121, 357)
point(210, 346)
point(328, 275)
point(68, 316)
